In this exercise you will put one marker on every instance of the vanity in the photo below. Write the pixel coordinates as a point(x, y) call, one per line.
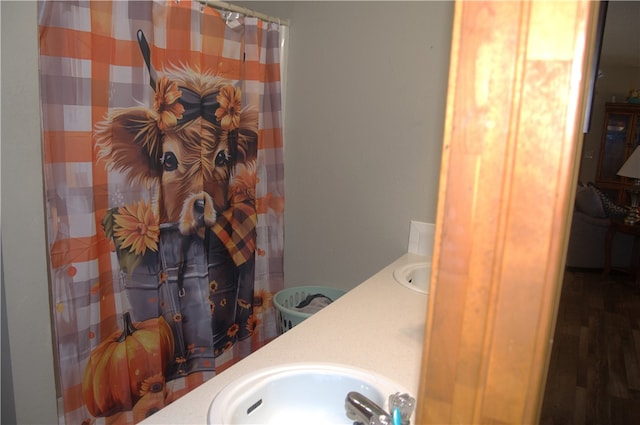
point(378, 326)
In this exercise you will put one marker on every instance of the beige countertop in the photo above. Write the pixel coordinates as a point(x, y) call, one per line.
point(377, 326)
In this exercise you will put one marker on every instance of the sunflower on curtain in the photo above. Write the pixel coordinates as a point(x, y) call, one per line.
point(164, 187)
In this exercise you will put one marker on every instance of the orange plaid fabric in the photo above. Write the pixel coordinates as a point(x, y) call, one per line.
point(236, 227)
point(90, 64)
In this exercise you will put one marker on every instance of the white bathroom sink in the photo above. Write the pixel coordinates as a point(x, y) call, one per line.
point(414, 276)
point(300, 393)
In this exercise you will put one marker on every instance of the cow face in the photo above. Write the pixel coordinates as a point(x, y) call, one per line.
point(186, 147)
point(196, 165)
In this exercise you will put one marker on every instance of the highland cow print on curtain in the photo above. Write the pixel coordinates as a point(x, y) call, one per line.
point(164, 195)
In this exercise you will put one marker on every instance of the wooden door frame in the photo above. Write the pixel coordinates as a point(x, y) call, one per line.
point(513, 135)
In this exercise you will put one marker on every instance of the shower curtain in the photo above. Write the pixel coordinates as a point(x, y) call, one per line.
point(163, 170)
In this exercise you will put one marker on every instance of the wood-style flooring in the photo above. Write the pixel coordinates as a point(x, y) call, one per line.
point(594, 372)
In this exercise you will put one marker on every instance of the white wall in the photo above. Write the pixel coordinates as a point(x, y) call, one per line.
point(366, 96)
point(23, 245)
point(365, 117)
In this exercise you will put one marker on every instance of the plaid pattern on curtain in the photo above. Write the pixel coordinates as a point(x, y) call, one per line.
point(90, 66)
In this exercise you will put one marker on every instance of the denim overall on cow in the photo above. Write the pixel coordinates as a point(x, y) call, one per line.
point(201, 290)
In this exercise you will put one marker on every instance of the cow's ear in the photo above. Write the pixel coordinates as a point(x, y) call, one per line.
point(247, 149)
point(129, 141)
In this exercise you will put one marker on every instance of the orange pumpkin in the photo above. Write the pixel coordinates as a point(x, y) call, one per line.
point(118, 366)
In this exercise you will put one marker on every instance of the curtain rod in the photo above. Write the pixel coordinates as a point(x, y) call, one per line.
point(243, 10)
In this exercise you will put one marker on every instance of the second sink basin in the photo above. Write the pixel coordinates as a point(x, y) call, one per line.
point(414, 276)
point(300, 393)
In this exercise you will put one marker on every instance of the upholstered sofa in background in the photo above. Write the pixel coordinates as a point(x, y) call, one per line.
point(591, 218)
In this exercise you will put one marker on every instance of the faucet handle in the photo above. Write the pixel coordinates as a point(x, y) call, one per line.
point(364, 411)
point(405, 405)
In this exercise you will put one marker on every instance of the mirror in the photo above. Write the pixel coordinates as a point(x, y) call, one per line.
point(389, 235)
point(359, 198)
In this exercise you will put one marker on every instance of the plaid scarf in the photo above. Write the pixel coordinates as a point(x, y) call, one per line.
point(236, 226)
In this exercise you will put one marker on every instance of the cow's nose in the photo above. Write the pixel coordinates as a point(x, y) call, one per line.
point(198, 211)
point(198, 206)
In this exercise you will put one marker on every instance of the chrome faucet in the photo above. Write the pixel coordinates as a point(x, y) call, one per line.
point(365, 412)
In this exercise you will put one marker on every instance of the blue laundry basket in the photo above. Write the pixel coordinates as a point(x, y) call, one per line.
point(287, 299)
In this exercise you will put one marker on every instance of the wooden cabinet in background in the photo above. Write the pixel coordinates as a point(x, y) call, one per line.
point(620, 136)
